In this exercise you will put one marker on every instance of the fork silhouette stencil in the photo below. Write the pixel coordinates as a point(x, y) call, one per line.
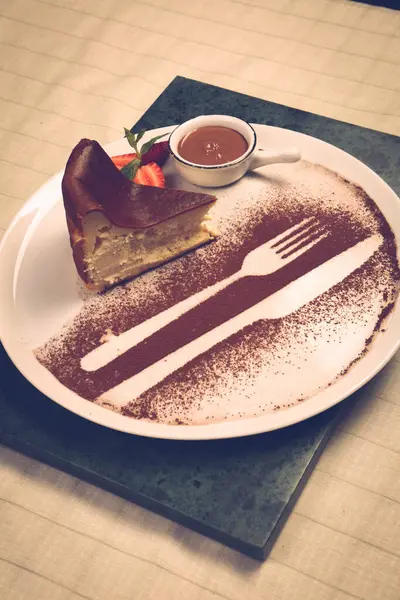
point(264, 260)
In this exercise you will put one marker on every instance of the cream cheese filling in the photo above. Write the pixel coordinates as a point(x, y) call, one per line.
point(116, 253)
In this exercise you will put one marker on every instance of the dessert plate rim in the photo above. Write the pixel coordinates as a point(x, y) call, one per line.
point(381, 351)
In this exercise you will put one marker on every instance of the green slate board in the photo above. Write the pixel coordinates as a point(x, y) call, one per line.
point(237, 491)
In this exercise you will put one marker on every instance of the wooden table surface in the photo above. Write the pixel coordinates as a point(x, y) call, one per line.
point(84, 68)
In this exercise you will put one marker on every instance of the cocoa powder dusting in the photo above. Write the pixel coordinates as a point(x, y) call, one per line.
point(268, 350)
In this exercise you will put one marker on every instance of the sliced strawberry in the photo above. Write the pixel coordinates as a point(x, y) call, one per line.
point(143, 166)
point(150, 174)
point(123, 159)
point(157, 154)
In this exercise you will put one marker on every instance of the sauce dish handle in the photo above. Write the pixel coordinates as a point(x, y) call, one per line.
point(261, 158)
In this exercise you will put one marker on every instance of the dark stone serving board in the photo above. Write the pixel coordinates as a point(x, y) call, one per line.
point(393, 4)
point(237, 491)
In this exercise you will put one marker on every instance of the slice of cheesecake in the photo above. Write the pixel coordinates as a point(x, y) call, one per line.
point(119, 229)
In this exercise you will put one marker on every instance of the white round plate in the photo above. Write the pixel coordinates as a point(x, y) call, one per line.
point(37, 275)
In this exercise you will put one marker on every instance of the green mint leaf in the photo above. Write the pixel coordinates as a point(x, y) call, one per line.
point(132, 139)
point(146, 147)
point(131, 169)
point(139, 135)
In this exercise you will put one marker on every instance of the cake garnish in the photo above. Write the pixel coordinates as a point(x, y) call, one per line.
point(144, 165)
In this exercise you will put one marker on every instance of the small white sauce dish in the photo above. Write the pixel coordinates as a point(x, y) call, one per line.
point(226, 173)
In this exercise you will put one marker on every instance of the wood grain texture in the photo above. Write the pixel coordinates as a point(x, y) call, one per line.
point(85, 68)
